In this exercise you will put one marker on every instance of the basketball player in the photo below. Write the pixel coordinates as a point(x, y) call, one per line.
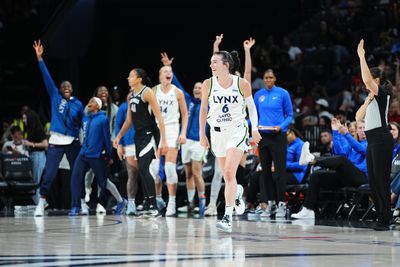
point(142, 113)
point(224, 97)
point(173, 106)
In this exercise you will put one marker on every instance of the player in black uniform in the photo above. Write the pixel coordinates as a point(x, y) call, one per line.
point(142, 113)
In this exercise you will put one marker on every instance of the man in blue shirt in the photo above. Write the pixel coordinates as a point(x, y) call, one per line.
point(275, 110)
point(294, 171)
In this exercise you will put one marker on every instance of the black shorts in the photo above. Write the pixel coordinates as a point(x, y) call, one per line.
point(145, 140)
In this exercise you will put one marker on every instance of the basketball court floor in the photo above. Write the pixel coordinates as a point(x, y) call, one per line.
point(107, 240)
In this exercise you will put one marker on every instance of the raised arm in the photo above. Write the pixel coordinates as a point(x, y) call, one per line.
point(150, 98)
point(184, 116)
point(217, 42)
point(48, 81)
point(248, 97)
point(205, 90)
point(365, 72)
point(247, 44)
point(166, 61)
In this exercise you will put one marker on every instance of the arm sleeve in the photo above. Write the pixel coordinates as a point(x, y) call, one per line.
point(340, 144)
point(48, 81)
point(357, 146)
point(252, 111)
point(288, 109)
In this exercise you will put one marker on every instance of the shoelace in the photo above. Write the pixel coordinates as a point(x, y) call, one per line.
point(225, 219)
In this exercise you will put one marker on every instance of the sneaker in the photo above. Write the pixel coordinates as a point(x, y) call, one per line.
point(304, 214)
point(100, 208)
point(171, 210)
point(225, 224)
point(211, 210)
point(39, 211)
point(258, 210)
point(131, 208)
point(185, 209)
point(396, 213)
point(140, 207)
point(306, 157)
point(280, 212)
point(84, 207)
point(87, 194)
point(160, 204)
point(268, 212)
point(119, 210)
point(239, 203)
point(74, 212)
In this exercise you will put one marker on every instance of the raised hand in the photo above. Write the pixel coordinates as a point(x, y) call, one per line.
point(166, 61)
point(360, 48)
point(38, 49)
point(217, 42)
point(343, 129)
point(335, 124)
point(247, 44)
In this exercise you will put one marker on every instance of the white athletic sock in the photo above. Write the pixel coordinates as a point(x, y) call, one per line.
point(190, 194)
point(132, 200)
point(172, 200)
point(229, 211)
point(113, 190)
point(200, 194)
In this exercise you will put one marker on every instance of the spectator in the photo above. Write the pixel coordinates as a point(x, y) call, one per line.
point(394, 111)
point(326, 142)
point(294, 172)
point(347, 168)
point(16, 145)
point(322, 107)
point(37, 144)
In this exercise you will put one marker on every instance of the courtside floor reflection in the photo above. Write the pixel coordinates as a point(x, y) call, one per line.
point(189, 241)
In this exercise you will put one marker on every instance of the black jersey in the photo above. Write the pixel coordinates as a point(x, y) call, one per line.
point(142, 116)
point(377, 111)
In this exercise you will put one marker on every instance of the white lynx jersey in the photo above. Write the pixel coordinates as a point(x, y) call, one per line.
point(226, 106)
point(169, 105)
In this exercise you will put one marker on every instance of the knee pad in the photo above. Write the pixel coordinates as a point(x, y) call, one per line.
point(170, 172)
point(154, 168)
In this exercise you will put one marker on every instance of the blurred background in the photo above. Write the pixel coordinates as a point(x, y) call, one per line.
point(310, 44)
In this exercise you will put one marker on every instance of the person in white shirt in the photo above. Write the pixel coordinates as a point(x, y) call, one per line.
point(16, 145)
point(173, 107)
point(224, 99)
